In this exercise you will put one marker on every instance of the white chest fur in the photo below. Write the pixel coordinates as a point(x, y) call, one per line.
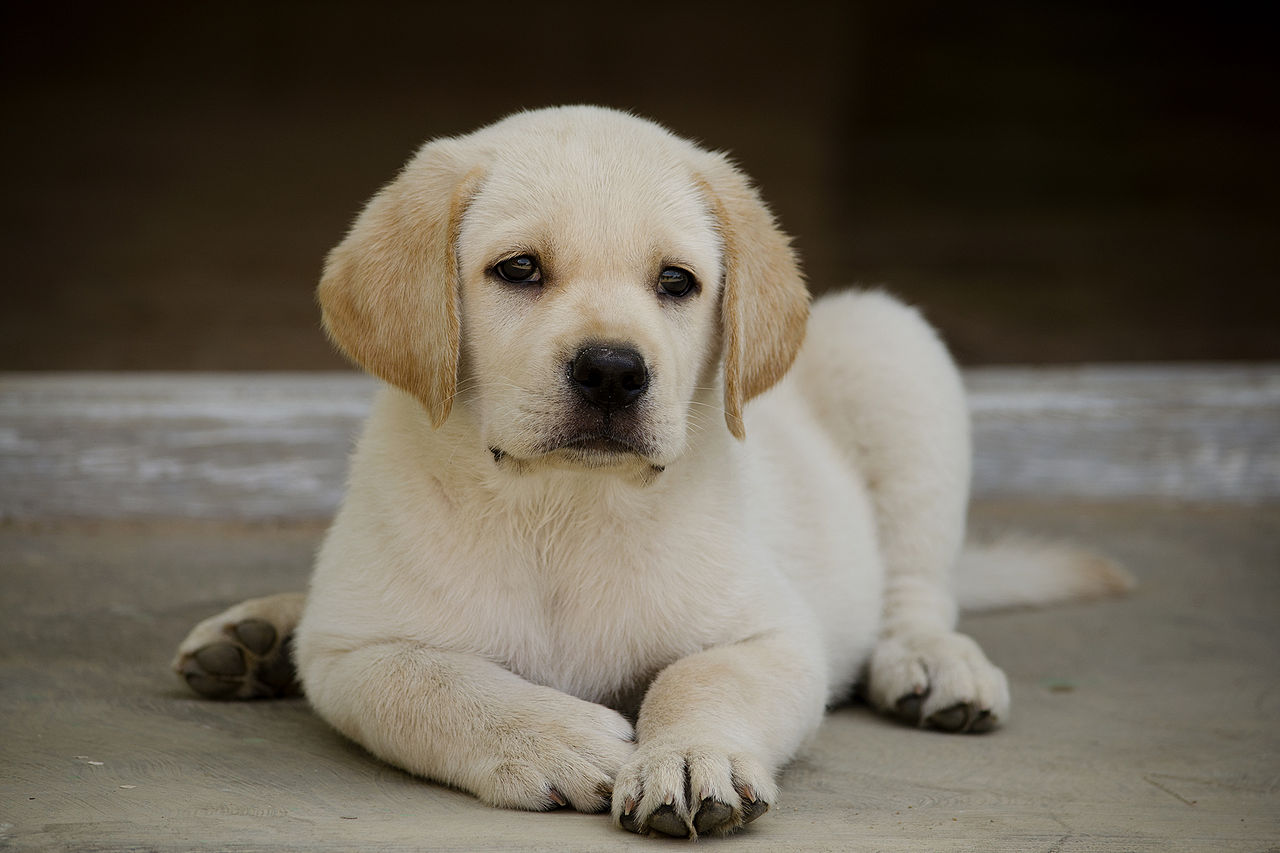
point(591, 584)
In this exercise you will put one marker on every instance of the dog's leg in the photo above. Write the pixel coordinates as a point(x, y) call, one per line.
point(895, 400)
point(713, 730)
point(468, 722)
point(244, 652)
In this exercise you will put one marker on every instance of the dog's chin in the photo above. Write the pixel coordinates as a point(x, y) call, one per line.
point(591, 452)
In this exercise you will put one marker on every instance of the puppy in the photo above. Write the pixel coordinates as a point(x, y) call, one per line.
point(627, 516)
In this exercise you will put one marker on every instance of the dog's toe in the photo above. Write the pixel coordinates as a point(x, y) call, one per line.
point(984, 722)
point(257, 635)
point(208, 685)
point(712, 815)
point(953, 719)
point(752, 808)
point(276, 671)
point(221, 659)
point(908, 707)
point(628, 820)
point(667, 821)
point(964, 717)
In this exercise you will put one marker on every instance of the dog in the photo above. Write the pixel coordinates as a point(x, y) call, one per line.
point(630, 513)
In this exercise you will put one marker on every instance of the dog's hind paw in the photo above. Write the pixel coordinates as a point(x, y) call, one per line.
point(243, 653)
point(942, 681)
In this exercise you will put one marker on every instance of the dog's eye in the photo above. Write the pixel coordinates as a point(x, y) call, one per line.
point(676, 282)
point(522, 269)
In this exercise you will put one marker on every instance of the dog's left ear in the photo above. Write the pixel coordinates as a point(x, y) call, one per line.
point(389, 293)
point(765, 305)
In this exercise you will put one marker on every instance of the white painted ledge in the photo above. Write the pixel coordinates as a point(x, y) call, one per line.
point(264, 446)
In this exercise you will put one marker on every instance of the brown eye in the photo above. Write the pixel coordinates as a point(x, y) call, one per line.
point(522, 269)
point(676, 282)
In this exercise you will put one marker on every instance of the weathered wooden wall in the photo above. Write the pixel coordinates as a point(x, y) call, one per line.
point(274, 446)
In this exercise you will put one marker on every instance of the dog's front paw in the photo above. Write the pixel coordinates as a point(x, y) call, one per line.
point(687, 791)
point(941, 680)
point(564, 754)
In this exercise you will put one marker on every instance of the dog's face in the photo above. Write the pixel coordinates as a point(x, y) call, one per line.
point(591, 278)
point(574, 277)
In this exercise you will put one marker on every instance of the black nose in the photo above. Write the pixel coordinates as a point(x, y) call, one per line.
point(608, 377)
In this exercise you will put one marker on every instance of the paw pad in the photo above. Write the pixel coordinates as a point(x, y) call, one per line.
point(667, 821)
point(712, 814)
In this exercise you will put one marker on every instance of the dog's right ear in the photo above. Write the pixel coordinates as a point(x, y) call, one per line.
point(389, 293)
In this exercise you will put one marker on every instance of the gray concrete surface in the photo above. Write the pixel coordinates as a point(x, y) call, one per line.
point(1144, 723)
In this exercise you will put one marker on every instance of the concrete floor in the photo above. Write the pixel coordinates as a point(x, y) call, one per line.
point(1147, 723)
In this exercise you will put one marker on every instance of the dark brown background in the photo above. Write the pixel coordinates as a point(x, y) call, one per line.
point(1050, 181)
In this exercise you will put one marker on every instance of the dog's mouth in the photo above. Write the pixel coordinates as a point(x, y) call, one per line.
point(598, 444)
point(586, 450)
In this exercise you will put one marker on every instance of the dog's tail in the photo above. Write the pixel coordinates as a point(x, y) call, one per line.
point(1021, 571)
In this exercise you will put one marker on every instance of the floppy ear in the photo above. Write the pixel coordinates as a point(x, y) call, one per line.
point(389, 293)
point(765, 305)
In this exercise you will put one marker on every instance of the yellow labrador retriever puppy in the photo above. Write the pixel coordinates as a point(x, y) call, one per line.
point(627, 516)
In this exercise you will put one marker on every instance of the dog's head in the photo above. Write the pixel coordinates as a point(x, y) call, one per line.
point(576, 277)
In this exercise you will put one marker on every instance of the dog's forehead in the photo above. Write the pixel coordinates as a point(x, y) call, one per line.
point(588, 191)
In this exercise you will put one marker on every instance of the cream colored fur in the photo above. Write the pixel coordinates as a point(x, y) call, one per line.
point(652, 631)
